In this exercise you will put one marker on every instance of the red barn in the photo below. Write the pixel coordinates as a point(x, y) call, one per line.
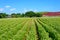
point(52, 14)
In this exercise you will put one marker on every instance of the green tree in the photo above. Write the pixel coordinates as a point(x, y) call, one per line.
point(13, 15)
point(38, 14)
point(16, 15)
point(22, 15)
point(30, 14)
point(3, 15)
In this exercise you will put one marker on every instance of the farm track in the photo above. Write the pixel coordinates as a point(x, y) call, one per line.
point(44, 28)
point(41, 32)
point(37, 31)
point(52, 32)
point(23, 31)
point(28, 29)
point(32, 35)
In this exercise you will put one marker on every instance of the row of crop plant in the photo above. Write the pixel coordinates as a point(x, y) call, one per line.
point(10, 28)
point(53, 22)
point(52, 32)
point(29, 29)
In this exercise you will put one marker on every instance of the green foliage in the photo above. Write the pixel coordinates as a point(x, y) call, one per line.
point(33, 14)
point(22, 15)
point(3, 15)
point(43, 35)
point(30, 28)
point(38, 14)
point(14, 15)
point(30, 14)
point(51, 30)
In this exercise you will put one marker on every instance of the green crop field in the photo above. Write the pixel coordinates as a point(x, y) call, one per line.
point(44, 28)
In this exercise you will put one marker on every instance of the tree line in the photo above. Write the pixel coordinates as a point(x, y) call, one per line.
point(26, 14)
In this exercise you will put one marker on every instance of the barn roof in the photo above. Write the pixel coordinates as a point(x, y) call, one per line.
point(52, 14)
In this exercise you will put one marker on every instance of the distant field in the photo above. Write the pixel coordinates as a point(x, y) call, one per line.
point(44, 28)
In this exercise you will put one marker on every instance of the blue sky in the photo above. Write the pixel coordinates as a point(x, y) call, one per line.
point(16, 6)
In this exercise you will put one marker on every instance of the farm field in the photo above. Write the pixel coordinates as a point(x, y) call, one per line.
point(44, 28)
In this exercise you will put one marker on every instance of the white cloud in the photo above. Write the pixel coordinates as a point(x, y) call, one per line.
point(1, 9)
point(7, 6)
point(12, 9)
